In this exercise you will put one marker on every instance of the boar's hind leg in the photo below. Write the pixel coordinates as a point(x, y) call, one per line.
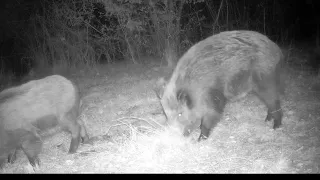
point(32, 146)
point(268, 93)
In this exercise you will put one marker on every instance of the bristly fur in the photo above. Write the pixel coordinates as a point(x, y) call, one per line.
point(219, 69)
point(29, 109)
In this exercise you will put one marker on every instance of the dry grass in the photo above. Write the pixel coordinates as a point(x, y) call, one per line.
point(122, 113)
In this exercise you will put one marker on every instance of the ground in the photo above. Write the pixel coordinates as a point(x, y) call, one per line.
point(124, 119)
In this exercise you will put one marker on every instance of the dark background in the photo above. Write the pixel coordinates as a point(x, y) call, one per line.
point(299, 18)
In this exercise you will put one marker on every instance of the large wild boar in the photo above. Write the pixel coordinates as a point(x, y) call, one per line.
point(219, 69)
point(34, 107)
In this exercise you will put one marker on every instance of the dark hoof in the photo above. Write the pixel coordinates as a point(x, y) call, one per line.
point(35, 162)
point(72, 150)
point(276, 125)
point(202, 137)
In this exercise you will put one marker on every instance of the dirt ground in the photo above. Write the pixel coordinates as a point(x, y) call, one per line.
point(123, 116)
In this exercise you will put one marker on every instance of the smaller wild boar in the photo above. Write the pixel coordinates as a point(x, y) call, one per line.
point(36, 106)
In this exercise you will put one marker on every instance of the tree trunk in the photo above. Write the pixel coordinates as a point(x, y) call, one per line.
point(173, 31)
point(167, 35)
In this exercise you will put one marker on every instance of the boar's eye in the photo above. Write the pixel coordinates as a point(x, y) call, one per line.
point(179, 116)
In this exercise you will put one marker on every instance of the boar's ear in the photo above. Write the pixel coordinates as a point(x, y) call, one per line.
point(159, 87)
point(183, 97)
